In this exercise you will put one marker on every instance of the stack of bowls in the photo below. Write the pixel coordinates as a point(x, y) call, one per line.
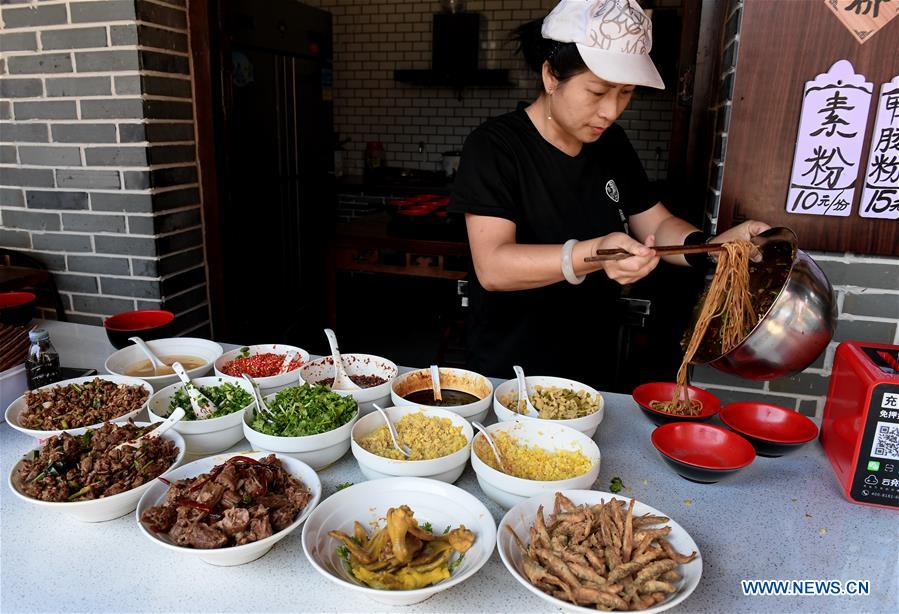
point(356, 364)
point(508, 490)
point(451, 379)
point(203, 436)
point(446, 468)
point(148, 324)
point(270, 384)
point(586, 424)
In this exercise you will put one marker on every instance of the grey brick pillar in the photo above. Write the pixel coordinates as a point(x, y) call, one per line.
point(98, 170)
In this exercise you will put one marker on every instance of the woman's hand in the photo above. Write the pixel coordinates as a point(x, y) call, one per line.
point(744, 231)
point(633, 268)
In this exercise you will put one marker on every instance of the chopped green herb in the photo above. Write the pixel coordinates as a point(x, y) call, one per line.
point(453, 564)
point(616, 485)
point(447, 529)
point(306, 410)
point(228, 397)
point(344, 485)
point(427, 527)
point(244, 352)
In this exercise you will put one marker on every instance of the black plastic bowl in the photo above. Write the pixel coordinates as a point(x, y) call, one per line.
point(772, 430)
point(700, 452)
point(16, 308)
point(147, 324)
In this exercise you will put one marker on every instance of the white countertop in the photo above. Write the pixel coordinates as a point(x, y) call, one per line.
point(780, 519)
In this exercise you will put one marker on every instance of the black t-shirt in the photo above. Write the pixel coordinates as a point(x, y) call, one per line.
point(509, 170)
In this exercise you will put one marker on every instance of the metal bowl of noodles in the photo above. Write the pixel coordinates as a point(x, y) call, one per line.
point(799, 318)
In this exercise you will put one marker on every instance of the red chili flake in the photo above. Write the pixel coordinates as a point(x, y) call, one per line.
point(260, 365)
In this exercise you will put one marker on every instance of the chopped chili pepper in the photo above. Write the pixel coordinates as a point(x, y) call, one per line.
point(260, 365)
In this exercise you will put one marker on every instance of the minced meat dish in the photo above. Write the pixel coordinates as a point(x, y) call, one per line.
point(241, 501)
point(77, 405)
point(82, 467)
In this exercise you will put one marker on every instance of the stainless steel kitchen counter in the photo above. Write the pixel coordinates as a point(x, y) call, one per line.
point(780, 519)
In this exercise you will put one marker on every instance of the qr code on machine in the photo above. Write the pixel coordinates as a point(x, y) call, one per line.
point(886, 441)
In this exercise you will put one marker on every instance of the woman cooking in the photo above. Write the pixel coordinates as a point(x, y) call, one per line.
point(548, 185)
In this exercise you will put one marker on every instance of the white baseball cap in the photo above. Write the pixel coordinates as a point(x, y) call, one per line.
point(614, 38)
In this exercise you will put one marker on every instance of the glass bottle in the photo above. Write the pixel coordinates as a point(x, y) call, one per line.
point(42, 364)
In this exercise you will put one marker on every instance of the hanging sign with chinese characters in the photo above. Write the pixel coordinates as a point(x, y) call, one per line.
point(863, 18)
point(880, 195)
point(829, 144)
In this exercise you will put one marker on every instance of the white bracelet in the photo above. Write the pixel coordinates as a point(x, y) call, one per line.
point(567, 268)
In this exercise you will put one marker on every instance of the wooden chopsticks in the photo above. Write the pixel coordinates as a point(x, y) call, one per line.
point(664, 250)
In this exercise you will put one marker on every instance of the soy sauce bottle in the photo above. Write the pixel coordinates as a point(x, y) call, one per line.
point(42, 364)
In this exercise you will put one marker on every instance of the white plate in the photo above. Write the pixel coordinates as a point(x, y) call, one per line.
point(521, 518)
point(439, 503)
point(15, 409)
point(234, 555)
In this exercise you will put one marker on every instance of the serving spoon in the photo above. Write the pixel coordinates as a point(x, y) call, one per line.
point(154, 359)
point(529, 409)
point(404, 449)
point(486, 434)
point(202, 405)
point(157, 432)
point(264, 410)
point(288, 358)
point(341, 381)
point(435, 383)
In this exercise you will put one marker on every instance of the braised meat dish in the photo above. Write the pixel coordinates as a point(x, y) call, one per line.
point(88, 466)
point(77, 405)
point(240, 501)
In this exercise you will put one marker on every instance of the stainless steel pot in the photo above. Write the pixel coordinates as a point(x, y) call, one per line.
point(798, 325)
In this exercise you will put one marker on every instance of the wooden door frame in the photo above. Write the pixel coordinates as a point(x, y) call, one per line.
point(202, 52)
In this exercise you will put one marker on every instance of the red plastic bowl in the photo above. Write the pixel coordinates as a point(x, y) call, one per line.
point(772, 430)
point(663, 391)
point(16, 308)
point(702, 452)
point(146, 323)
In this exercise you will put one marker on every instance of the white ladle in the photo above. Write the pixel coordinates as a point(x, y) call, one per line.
point(486, 434)
point(264, 411)
point(404, 449)
point(157, 432)
point(288, 358)
point(202, 405)
point(154, 359)
point(341, 381)
point(530, 410)
point(435, 383)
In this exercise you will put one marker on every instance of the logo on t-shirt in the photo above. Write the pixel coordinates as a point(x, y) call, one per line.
point(612, 190)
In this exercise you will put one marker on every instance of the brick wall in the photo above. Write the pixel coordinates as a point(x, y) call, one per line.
point(371, 39)
point(98, 173)
point(867, 288)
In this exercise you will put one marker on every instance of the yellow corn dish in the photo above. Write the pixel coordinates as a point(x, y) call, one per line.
point(555, 403)
point(427, 437)
point(531, 462)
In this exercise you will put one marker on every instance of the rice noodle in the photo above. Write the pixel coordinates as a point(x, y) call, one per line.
point(727, 298)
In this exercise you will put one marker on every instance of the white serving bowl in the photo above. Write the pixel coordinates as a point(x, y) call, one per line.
point(446, 468)
point(203, 436)
point(119, 362)
point(15, 409)
point(453, 379)
point(587, 424)
point(317, 451)
point(508, 490)
point(106, 508)
point(432, 501)
point(266, 384)
point(521, 517)
point(356, 364)
point(233, 555)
